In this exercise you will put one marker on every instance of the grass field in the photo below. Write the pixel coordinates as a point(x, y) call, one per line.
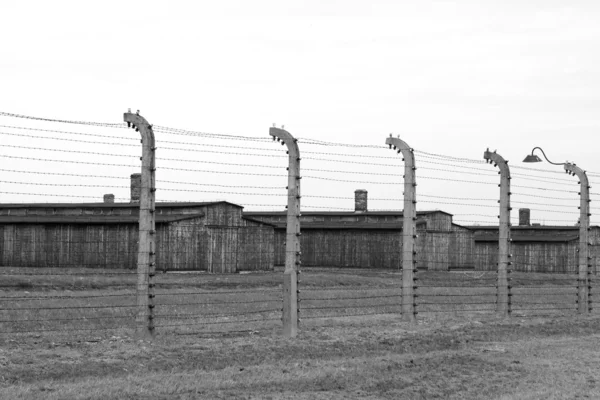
point(69, 334)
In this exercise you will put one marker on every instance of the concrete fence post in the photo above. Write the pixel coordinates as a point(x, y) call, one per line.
point(146, 266)
point(292, 244)
point(584, 299)
point(503, 296)
point(409, 229)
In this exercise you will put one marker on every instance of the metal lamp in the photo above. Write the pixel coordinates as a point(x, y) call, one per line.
point(533, 158)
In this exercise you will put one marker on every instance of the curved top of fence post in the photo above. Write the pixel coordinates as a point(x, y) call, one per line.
point(407, 151)
point(573, 169)
point(584, 208)
point(140, 124)
point(495, 158)
point(286, 138)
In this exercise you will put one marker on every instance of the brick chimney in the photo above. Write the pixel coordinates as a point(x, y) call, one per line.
point(109, 198)
point(136, 187)
point(524, 217)
point(360, 200)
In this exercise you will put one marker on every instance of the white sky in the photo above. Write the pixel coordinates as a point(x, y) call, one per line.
point(450, 77)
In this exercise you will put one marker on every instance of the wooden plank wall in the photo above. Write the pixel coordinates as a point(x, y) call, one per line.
point(438, 221)
point(182, 246)
point(185, 245)
point(250, 246)
point(553, 257)
point(486, 256)
point(546, 257)
point(440, 250)
point(595, 249)
point(245, 248)
point(347, 248)
point(365, 248)
point(222, 249)
point(223, 214)
point(378, 248)
point(433, 251)
point(256, 248)
point(69, 246)
point(461, 248)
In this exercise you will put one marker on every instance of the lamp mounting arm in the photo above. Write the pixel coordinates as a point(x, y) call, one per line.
point(544, 154)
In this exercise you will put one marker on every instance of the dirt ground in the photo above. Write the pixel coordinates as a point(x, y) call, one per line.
point(69, 335)
point(373, 358)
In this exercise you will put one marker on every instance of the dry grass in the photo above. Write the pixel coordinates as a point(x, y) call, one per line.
point(454, 352)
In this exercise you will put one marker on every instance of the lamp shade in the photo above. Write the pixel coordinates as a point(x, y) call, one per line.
point(532, 158)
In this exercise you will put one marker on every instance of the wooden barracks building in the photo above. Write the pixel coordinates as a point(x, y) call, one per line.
point(373, 239)
point(219, 237)
point(204, 236)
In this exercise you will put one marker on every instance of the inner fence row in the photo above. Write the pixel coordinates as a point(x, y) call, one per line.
point(151, 263)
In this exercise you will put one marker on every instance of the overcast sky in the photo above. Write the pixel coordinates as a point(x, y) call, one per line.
point(449, 77)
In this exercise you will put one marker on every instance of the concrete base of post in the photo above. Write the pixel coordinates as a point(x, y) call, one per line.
point(409, 317)
point(144, 330)
point(290, 303)
point(502, 298)
point(582, 295)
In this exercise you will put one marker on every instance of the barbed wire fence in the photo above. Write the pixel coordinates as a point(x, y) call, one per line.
point(229, 171)
point(65, 270)
point(69, 265)
point(594, 241)
point(534, 249)
point(352, 196)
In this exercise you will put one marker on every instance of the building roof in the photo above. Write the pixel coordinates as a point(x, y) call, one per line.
point(343, 213)
point(545, 237)
point(528, 228)
point(529, 233)
point(341, 224)
point(90, 219)
point(258, 221)
point(347, 225)
point(114, 205)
